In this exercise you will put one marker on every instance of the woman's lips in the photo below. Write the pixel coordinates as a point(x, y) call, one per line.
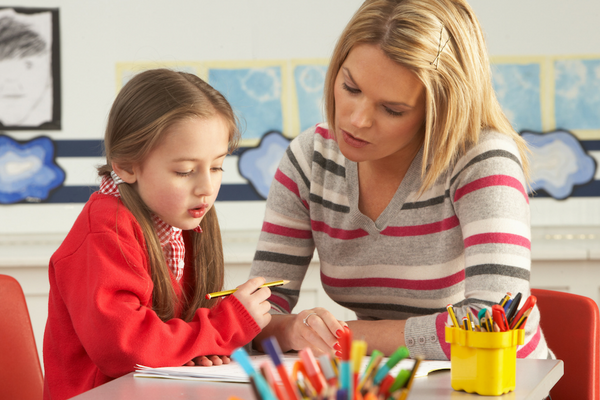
point(352, 141)
point(198, 212)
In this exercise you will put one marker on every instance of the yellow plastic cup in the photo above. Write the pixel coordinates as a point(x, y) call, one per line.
point(483, 362)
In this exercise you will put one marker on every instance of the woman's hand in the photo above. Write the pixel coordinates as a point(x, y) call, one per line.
point(316, 328)
point(254, 299)
point(207, 361)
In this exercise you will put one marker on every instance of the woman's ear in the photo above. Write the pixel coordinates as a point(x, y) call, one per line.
point(127, 175)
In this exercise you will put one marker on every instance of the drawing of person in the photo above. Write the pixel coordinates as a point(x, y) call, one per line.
point(25, 69)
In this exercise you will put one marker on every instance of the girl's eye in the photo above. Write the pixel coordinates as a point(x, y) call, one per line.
point(393, 113)
point(218, 169)
point(350, 89)
point(183, 173)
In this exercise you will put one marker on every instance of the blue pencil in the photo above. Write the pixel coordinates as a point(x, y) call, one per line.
point(242, 358)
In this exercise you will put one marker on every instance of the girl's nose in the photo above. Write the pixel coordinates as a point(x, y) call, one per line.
point(204, 185)
point(362, 115)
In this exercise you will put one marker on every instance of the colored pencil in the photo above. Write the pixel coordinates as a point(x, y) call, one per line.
point(232, 291)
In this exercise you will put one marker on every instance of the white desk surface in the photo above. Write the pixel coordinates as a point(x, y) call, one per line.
point(534, 380)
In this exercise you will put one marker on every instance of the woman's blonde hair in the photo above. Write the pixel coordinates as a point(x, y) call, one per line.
point(142, 112)
point(441, 41)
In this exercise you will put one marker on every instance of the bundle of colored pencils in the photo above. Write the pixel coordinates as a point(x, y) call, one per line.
point(327, 377)
point(501, 317)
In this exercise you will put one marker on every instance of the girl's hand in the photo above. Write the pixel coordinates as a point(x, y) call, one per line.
point(254, 299)
point(316, 328)
point(207, 361)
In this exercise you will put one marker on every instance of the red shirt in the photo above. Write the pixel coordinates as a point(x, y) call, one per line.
point(100, 322)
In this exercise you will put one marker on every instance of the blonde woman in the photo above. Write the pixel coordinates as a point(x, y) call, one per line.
point(414, 193)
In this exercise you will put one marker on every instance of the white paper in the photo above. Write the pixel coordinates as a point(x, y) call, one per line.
point(233, 372)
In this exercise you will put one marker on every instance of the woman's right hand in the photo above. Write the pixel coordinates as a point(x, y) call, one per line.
point(254, 299)
point(318, 329)
point(320, 332)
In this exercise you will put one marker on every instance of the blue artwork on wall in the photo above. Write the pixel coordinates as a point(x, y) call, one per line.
point(517, 87)
point(260, 163)
point(28, 171)
point(558, 163)
point(310, 80)
point(276, 100)
point(577, 93)
point(255, 93)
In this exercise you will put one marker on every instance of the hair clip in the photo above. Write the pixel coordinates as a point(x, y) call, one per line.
point(440, 48)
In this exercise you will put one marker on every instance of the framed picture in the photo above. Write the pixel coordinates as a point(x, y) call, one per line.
point(29, 69)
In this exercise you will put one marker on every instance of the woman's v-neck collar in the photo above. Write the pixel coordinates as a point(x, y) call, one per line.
point(410, 183)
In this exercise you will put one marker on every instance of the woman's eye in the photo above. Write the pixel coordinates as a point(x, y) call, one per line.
point(218, 169)
point(350, 89)
point(183, 173)
point(394, 113)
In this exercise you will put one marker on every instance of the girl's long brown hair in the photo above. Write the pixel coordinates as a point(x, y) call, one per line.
point(143, 110)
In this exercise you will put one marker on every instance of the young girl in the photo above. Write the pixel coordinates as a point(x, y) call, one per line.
point(128, 284)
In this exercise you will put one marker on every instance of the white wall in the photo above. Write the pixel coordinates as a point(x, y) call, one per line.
point(539, 27)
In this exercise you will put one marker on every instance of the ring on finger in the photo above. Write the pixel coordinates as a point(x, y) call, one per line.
point(306, 319)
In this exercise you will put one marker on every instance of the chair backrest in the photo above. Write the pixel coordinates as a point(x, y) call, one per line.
point(571, 325)
point(20, 371)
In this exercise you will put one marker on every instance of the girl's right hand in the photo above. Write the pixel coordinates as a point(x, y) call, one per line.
point(254, 299)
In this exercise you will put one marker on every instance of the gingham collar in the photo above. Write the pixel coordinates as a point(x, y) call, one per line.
point(171, 238)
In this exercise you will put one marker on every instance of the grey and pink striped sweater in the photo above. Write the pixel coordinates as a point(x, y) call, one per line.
point(465, 241)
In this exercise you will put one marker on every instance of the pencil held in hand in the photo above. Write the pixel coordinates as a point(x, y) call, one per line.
point(232, 291)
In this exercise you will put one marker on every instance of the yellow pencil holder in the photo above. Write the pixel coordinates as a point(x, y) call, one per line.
point(483, 362)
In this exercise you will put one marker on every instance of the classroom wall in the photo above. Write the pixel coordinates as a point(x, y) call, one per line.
point(98, 38)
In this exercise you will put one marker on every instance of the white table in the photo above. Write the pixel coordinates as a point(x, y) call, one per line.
point(534, 380)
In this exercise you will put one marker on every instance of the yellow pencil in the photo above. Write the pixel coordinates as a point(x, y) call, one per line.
point(469, 320)
point(232, 291)
point(367, 379)
point(520, 323)
point(452, 315)
point(505, 299)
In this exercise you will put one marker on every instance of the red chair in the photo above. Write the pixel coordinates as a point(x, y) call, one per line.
point(20, 371)
point(571, 325)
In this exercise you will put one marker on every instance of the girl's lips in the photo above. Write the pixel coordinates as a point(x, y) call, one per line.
point(352, 141)
point(199, 211)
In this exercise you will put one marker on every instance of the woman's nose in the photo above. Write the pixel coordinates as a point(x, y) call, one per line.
point(362, 115)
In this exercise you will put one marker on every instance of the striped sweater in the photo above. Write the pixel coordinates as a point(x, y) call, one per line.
point(465, 241)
